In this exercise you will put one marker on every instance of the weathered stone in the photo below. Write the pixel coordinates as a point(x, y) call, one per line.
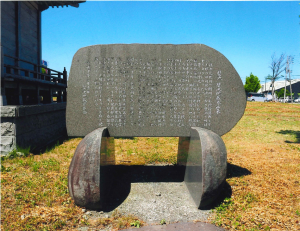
point(34, 126)
point(7, 129)
point(206, 166)
point(191, 91)
point(152, 90)
point(8, 111)
point(8, 143)
point(89, 177)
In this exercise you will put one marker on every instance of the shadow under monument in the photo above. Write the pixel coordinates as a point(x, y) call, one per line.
point(293, 133)
point(120, 177)
point(123, 176)
point(236, 171)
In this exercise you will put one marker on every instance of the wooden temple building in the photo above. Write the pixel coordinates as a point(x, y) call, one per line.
point(23, 79)
point(27, 87)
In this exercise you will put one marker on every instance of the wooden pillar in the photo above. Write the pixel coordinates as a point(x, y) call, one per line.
point(49, 75)
point(18, 34)
point(2, 62)
point(20, 94)
point(35, 75)
point(51, 95)
point(60, 96)
point(39, 39)
point(38, 94)
point(59, 78)
point(64, 97)
point(3, 101)
point(65, 73)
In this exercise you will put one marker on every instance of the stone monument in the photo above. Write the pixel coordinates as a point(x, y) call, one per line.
point(189, 91)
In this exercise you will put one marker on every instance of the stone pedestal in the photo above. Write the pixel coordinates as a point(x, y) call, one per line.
point(32, 126)
point(189, 91)
point(90, 175)
point(206, 166)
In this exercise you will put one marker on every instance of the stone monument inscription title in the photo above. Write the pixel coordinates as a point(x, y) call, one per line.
point(152, 90)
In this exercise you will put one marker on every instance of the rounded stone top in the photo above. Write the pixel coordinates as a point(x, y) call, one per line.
point(152, 90)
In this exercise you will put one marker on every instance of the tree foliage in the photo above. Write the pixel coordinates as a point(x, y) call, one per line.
point(281, 93)
point(252, 83)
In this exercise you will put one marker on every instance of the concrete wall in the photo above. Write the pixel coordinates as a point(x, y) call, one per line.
point(35, 126)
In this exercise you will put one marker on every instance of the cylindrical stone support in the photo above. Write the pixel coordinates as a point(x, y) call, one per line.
point(89, 173)
point(206, 166)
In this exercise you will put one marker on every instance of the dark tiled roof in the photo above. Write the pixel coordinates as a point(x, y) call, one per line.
point(44, 5)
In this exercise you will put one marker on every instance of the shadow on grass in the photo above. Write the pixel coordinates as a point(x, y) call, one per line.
point(293, 133)
point(236, 171)
point(50, 146)
point(226, 192)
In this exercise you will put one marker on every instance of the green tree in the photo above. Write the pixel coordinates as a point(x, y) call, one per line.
point(252, 83)
point(281, 93)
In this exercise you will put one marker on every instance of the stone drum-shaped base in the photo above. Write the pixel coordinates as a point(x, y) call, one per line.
point(89, 173)
point(206, 166)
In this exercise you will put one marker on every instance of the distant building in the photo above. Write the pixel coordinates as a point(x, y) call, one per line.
point(24, 80)
point(278, 85)
point(33, 96)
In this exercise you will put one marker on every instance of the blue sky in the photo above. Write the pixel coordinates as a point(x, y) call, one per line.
point(247, 33)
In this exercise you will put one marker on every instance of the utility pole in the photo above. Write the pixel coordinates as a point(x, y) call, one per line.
point(291, 86)
point(288, 71)
point(292, 61)
point(285, 78)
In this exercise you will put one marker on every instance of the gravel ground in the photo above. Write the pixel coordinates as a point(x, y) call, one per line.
point(153, 202)
point(151, 193)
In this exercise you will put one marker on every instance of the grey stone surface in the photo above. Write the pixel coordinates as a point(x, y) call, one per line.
point(206, 166)
point(151, 193)
point(173, 204)
point(182, 226)
point(41, 137)
point(32, 126)
point(87, 177)
point(7, 128)
point(35, 122)
point(152, 90)
point(27, 110)
point(8, 111)
point(8, 143)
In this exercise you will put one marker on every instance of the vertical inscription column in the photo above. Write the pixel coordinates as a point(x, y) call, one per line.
point(86, 88)
point(177, 104)
point(130, 90)
point(98, 85)
point(109, 88)
point(194, 89)
point(218, 92)
point(141, 73)
point(164, 94)
point(120, 75)
point(207, 72)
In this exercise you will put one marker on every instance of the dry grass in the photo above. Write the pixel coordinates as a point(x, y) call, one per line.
point(146, 150)
point(34, 194)
point(266, 142)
